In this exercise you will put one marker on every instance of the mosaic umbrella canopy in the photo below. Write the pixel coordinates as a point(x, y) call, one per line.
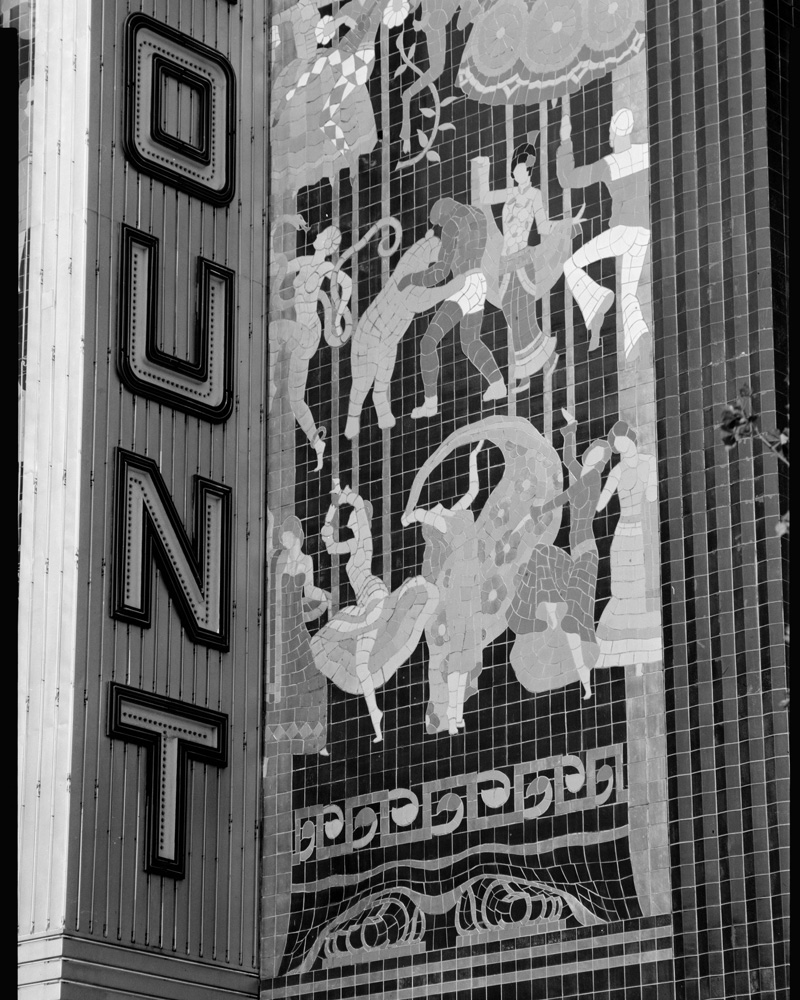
point(523, 53)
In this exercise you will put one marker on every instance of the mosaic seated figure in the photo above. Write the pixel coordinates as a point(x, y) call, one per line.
point(362, 646)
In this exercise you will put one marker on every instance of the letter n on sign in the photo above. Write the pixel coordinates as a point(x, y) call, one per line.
point(148, 528)
point(172, 731)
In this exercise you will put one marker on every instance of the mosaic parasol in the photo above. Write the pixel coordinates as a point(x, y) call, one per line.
point(523, 53)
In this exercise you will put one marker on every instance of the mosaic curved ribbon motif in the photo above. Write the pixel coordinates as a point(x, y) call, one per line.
point(522, 54)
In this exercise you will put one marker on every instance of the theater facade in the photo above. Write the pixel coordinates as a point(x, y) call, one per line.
point(394, 620)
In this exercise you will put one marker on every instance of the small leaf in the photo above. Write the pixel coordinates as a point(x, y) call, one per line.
point(423, 139)
point(433, 156)
point(447, 127)
point(411, 52)
point(449, 100)
point(428, 112)
point(400, 70)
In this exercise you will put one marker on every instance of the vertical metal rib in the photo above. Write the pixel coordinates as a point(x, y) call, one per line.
point(512, 399)
point(386, 475)
point(569, 331)
point(544, 187)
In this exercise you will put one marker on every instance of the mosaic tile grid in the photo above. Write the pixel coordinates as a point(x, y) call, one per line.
point(466, 728)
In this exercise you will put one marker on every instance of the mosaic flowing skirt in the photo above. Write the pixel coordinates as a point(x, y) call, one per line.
point(630, 626)
point(399, 627)
point(553, 576)
point(541, 266)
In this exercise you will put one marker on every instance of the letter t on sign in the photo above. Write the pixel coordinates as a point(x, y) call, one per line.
point(173, 731)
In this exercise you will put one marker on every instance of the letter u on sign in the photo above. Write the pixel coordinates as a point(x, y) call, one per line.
point(202, 386)
point(148, 528)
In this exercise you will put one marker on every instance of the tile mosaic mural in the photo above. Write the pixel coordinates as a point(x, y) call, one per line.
point(465, 735)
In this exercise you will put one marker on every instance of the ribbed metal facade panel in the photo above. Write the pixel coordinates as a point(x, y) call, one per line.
point(98, 832)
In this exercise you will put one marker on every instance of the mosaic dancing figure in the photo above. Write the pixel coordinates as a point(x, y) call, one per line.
point(362, 646)
point(565, 582)
point(523, 271)
point(303, 688)
point(297, 342)
point(463, 244)
point(325, 121)
point(625, 172)
point(630, 626)
point(384, 322)
point(452, 561)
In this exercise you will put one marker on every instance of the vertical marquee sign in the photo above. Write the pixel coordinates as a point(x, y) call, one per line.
point(161, 774)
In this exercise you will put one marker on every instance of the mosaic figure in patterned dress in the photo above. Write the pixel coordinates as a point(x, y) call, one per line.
point(557, 589)
point(307, 30)
point(626, 175)
point(304, 690)
point(293, 343)
point(461, 254)
point(630, 626)
point(385, 320)
point(362, 646)
point(453, 563)
point(524, 273)
point(325, 121)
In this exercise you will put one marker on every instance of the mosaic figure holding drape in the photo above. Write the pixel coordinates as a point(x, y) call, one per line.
point(556, 590)
point(519, 274)
point(532, 471)
point(293, 343)
point(630, 626)
point(362, 646)
point(626, 175)
point(463, 245)
point(452, 562)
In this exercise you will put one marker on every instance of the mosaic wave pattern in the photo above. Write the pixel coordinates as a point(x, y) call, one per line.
point(465, 711)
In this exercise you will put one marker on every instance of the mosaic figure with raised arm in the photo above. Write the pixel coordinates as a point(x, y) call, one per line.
point(629, 630)
point(453, 563)
point(293, 343)
point(461, 254)
point(626, 174)
point(519, 274)
point(532, 471)
point(362, 646)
